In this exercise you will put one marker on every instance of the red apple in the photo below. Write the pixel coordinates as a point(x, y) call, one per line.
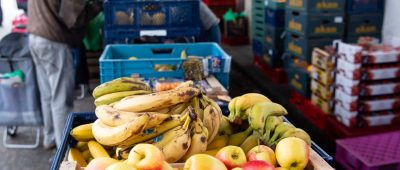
point(263, 153)
point(258, 165)
point(231, 156)
point(146, 157)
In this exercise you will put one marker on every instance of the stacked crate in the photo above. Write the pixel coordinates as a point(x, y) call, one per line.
point(309, 24)
point(126, 21)
point(267, 27)
point(367, 85)
point(364, 18)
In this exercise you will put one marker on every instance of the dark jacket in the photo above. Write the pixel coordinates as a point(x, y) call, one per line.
point(61, 21)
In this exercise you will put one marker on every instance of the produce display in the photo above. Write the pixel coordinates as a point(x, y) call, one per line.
point(138, 129)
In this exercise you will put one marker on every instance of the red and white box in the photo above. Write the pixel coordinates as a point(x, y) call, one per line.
point(375, 54)
point(374, 88)
point(377, 72)
point(355, 103)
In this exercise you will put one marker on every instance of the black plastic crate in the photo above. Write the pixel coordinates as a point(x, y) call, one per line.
point(364, 24)
point(365, 6)
point(275, 17)
point(317, 6)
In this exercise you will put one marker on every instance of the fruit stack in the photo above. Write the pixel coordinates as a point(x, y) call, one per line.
point(267, 27)
point(309, 24)
point(368, 84)
point(151, 130)
point(364, 18)
point(322, 76)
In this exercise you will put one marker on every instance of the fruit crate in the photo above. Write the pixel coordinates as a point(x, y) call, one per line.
point(220, 2)
point(274, 17)
point(167, 18)
point(365, 6)
point(369, 152)
point(317, 6)
point(115, 62)
point(76, 119)
point(279, 73)
point(364, 24)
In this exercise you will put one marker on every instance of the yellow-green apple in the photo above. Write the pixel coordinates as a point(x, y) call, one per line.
point(263, 153)
point(292, 153)
point(231, 156)
point(120, 166)
point(146, 157)
point(258, 165)
point(100, 163)
point(202, 162)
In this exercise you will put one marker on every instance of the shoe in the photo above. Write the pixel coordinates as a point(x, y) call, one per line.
point(49, 142)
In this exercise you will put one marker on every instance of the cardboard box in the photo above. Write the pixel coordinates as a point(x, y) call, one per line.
point(376, 72)
point(324, 76)
point(323, 91)
point(375, 54)
point(375, 88)
point(324, 105)
point(322, 59)
point(317, 6)
point(356, 103)
point(314, 26)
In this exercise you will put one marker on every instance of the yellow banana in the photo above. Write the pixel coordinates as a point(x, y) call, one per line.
point(225, 127)
point(261, 111)
point(295, 132)
point(96, 150)
point(188, 83)
point(212, 152)
point(75, 155)
point(178, 109)
point(279, 131)
point(270, 125)
point(114, 117)
point(199, 140)
point(156, 101)
point(211, 120)
point(218, 142)
point(112, 136)
point(117, 96)
point(82, 132)
point(86, 155)
point(151, 133)
point(238, 138)
point(122, 152)
point(250, 143)
point(231, 107)
point(246, 101)
point(119, 85)
point(183, 54)
point(82, 146)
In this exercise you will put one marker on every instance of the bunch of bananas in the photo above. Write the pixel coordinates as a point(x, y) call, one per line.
point(181, 122)
point(115, 90)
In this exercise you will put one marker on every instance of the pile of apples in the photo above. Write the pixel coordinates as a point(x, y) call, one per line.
point(290, 153)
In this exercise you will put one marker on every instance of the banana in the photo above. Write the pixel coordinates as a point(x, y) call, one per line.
point(295, 132)
point(250, 143)
point(238, 138)
point(117, 96)
point(270, 125)
point(156, 101)
point(82, 146)
point(218, 142)
point(151, 133)
point(225, 126)
point(178, 109)
point(261, 111)
point(199, 140)
point(177, 147)
point(183, 54)
point(195, 103)
point(188, 83)
point(86, 155)
point(119, 85)
point(112, 136)
point(75, 155)
point(279, 131)
point(122, 152)
point(96, 150)
point(82, 132)
point(211, 120)
point(246, 101)
point(113, 117)
point(212, 152)
point(232, 105)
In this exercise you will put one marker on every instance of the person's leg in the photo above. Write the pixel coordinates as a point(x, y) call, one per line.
point(211, 35)
point(45, 95)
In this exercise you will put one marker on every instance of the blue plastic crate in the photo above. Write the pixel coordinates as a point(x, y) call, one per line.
point(76, 119)
point(258, 47)
point(275, 17)
point(114, 62)
point(365, 6)
point(166, 18)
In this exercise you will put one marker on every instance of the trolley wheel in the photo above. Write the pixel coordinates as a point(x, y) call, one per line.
point(12, 130)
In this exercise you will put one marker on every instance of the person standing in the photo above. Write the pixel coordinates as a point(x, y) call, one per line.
point(55, 27)
point(210, 31)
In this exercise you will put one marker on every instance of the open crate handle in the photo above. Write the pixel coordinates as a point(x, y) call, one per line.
point(159, 51)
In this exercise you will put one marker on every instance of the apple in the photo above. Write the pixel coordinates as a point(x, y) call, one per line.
point(100, 163)
point(231, 156)
point(292, 153)
point(280, 168)
point(263, 153)
point(258, 165)
point(202, 162)
point(237, 168)
point(120, 166)
point(146, 157)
